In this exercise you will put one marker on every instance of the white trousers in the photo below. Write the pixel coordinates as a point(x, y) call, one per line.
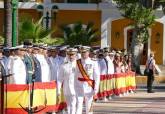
point(71, 104)
point(88, 104)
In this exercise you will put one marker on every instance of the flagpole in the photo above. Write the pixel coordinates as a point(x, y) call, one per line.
point(2, 88)
point(2, 95)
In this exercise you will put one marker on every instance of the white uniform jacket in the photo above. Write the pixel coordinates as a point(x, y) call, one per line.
point(19, 70)
point(7, 63)
point(110, 65)
point(45, 69)
point(103, 67)
point(55, 63)
point(67, 73)
point(92, 69)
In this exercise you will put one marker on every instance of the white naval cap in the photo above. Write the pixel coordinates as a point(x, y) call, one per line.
point(106, 49)
point(19, 46)
point(6, 49)
point(117, 54)
point(112, 53)
point(95, 51)
point(53, 48)
point(85, 48)
point(13, 48)
point(62, 48)
point(71, 51)
point(77, 46)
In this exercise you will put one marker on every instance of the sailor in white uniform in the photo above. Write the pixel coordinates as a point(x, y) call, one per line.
point(62, 54)
point(110, 71)
point(54, 63)
point(19, 68)
point(102, 63)
point(108, 60)
point(7, 63)
point(67, 73)
point(45, 69)
point(87, 80)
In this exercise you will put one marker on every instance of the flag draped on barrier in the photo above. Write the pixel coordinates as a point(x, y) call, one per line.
point(116, 84)
point(44, 96)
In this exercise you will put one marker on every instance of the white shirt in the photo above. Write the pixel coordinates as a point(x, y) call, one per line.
point(67, 73)
point(151, 63)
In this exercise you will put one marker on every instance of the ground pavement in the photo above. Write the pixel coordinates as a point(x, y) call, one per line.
point(140, 102)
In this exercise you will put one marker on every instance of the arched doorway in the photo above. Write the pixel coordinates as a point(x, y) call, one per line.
point(123, 40)
point(128, 43)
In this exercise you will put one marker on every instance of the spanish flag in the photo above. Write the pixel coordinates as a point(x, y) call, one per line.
point(16, 98)
point(115, 84)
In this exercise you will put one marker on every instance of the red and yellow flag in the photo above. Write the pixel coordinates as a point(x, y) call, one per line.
point(45, 97)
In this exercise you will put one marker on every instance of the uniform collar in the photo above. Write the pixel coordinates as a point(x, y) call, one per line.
point(86, 60)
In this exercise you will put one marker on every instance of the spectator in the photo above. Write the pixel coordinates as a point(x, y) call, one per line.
point(150, 65)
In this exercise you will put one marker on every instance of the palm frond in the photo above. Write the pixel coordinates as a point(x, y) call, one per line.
point(77, 27)
point(29, 29)
point(80, 34)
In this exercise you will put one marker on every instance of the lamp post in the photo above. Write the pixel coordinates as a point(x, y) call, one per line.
point(47, 17)
point(47, 14)
point(14, 22)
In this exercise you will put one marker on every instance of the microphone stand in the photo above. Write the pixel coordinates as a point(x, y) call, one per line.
point(30, 109)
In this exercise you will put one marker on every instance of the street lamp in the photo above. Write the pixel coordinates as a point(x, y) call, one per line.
point(14, 22)
point(47, 13)
point(47, 17)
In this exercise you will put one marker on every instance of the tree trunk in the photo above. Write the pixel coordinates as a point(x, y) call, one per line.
point(137, 49)
point(7, 22)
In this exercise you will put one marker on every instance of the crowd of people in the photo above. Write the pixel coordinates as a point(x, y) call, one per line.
point(77, 68)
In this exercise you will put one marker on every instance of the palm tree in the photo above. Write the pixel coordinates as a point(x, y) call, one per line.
point(28, 29)
point(35, 32)
point(77, 33)
point(7, 22)
point(7, 36)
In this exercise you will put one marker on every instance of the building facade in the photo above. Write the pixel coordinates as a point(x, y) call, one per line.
point(115, 31)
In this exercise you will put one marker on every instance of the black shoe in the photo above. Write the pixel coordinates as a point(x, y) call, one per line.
point(150, 92)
